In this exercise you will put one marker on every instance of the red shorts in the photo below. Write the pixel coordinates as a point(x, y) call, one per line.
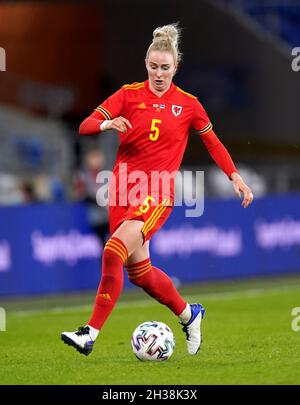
point(152, 216)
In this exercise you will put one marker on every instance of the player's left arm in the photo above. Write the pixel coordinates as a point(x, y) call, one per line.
point(220, 154)
point(223, 159)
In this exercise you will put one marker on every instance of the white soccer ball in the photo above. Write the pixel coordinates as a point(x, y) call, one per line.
point(153, 341)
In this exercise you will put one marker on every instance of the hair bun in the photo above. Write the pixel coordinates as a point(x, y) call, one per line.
point(166, 39)
point(169, 33)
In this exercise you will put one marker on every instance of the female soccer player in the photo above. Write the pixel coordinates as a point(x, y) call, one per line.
point(153, 119)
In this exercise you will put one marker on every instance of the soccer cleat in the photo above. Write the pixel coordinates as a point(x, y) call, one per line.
point(192, 329)
point(81, 340)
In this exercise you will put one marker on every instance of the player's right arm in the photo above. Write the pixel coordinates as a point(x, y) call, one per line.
point(107, 115)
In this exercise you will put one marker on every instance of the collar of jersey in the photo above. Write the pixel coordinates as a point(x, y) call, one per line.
point(167, 93)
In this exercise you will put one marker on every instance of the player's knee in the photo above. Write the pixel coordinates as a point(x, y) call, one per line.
point(144, 281)
point(140, 273)
point(114, 252)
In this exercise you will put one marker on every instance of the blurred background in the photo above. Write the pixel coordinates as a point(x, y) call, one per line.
point(62, 59)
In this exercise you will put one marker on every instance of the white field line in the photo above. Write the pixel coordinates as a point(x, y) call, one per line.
point(230, 295)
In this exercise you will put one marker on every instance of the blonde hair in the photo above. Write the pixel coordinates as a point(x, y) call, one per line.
point(166, 39)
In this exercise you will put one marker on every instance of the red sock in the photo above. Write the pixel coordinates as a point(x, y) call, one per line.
point(111, 284)
point(157, 284)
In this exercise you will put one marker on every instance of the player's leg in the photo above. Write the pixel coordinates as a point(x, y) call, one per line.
point(158, 285)
point(116, 251)
point(123, 242)
point(153, 281)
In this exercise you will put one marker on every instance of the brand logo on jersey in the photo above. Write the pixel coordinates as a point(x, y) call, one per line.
point(176, 109)
point(142, 106)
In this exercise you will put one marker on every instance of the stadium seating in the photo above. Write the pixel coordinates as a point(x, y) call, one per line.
point(279, 18)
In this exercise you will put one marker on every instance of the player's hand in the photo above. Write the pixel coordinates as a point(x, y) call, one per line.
point(240, 187)
point(121, 124)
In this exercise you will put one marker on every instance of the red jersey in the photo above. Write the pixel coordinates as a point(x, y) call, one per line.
point(159, 134)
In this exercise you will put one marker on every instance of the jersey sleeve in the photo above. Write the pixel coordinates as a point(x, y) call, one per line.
point(113, 106)
point(219, 153)
point(109, 109)
point(200, 121)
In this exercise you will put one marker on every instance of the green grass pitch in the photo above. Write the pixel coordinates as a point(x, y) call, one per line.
point(247, 339)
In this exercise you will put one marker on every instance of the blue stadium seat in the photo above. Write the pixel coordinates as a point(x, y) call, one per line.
point(281, 18)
